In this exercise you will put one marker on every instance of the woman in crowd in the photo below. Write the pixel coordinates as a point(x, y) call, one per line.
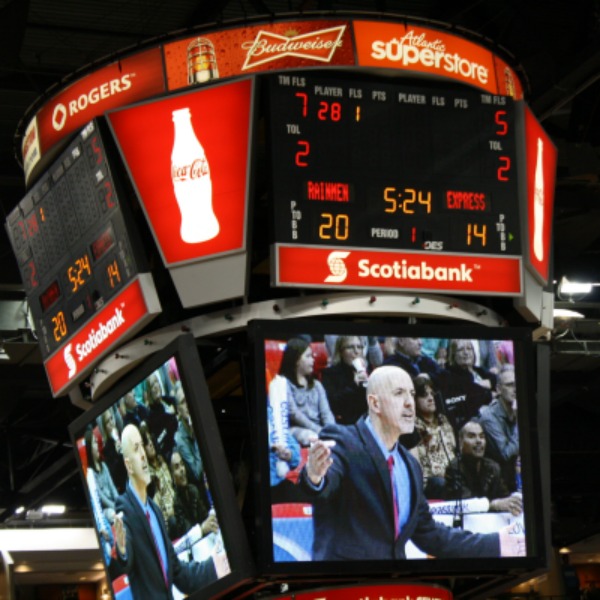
point(161, 488)
point(437, 443)
point(107, 492)
point(112, 450)
point(308, 406)
point(346, 379)
point(465, 387)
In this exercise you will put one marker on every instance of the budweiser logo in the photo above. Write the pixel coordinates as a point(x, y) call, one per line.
point(316, 45)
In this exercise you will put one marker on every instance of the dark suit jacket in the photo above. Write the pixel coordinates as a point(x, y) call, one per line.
point(353, 515)
point(142, 565)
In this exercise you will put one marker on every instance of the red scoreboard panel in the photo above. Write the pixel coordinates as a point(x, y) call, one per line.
point(72, 242)
point(402, 179)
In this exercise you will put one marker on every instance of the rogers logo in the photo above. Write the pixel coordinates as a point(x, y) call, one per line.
point(422, 271)
point(414, 49)
point(337, 267)
point(69, 360)
point(62, 112)
point(316, 45)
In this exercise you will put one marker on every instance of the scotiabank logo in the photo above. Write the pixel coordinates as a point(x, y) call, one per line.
point(69, 360)
point(115, 321)
point(98, 336)
point(337, 267)
point(73, 106)
point(316, 45)
point(397, 270)
point(419, 271)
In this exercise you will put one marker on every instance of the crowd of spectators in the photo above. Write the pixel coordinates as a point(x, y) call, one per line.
point(465, 438)
point(157, 407)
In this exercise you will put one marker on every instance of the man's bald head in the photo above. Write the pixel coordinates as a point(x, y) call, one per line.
point(390, 394)
point(131, 434)
point(134, 457)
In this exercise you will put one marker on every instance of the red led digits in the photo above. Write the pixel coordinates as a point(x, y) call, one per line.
point(332, 111)
point(499, 117)
point(302, 154)
point(304, 99)
point(504, 168)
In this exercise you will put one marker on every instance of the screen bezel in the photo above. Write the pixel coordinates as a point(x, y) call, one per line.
point(192, 378)
point(261, 330)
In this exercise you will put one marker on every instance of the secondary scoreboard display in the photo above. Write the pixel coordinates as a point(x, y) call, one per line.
point(71, 242)
point(365, 163)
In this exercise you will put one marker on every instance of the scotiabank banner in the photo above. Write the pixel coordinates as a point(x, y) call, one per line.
point(188, 156)
point(412, 48)
point(541, 179)
point(373, 592)
point(117, 84)
point(419, 271)
point(117, 321)
point(284, 45)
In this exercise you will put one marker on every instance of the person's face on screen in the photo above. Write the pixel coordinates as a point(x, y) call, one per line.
point(178, 470)
point(352, 348)
point(95, 451)
point(507, 390)
point(473, 440)
point(150, 449)
point(130, 401)
point(464, 354)
point(182, 408)
point(392, 399)
point(134, 456)
point(154, 391)
point(426, 402)
point(306, 362)
point(410, 346)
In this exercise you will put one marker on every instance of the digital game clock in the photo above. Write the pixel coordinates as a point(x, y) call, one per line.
point(71, 241)
point(365, 163)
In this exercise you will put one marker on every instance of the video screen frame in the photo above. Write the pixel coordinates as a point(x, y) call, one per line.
point(288, 553)
point(217, 536)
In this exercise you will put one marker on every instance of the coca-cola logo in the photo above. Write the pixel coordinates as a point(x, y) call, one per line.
point(316, 45)
point(198, 168)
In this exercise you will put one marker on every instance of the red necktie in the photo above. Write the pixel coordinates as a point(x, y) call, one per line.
point(390, 464)
point(160, 559)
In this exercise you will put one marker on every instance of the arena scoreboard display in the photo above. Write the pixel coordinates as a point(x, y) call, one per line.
point(364, 163)
point(73, 247)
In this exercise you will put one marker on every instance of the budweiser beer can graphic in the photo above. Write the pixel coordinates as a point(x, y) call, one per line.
point(201, 61)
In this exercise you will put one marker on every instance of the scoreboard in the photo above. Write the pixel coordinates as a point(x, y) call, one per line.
point(71, 241)
point(365, 163)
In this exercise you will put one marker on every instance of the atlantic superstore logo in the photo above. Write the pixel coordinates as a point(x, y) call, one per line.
point(424, 50)
point(369, 269)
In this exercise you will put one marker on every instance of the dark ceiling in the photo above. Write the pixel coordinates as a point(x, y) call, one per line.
point(557, 45)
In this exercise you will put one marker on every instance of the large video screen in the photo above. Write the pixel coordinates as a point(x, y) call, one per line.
point(158, 484)
point(387, 448)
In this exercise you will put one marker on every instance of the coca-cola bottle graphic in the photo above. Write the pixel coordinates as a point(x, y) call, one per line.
point(192, 185)
point(538, 204)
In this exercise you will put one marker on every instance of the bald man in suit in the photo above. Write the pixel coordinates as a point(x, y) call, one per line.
point(144, 549)
point(367, 490)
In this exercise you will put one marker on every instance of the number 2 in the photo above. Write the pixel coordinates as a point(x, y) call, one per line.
point(302, 154)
